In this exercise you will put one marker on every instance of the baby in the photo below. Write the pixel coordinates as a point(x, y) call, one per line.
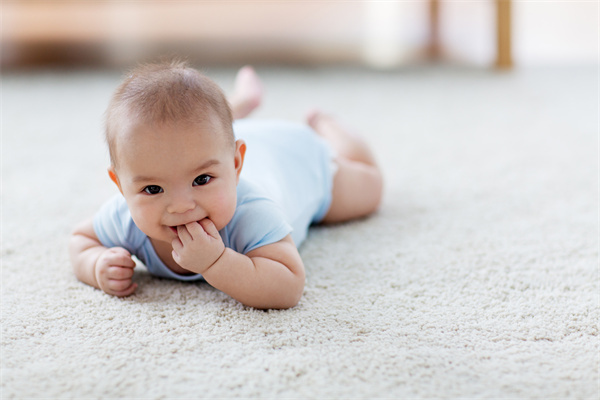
point(204, 197)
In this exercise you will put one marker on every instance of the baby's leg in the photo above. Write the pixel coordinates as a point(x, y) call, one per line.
point(247, 93)
point(358, 184)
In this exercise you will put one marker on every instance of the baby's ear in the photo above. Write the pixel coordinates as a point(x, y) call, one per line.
point(114, 177)
point(240, 153)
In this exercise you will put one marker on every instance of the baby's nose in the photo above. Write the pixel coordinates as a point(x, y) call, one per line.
point(181, 203)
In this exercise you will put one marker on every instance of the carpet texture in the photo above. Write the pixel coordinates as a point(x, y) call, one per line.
point(478, 277)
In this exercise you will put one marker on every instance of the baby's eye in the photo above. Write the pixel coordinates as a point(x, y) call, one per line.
point(202, 180)
point(153, 189)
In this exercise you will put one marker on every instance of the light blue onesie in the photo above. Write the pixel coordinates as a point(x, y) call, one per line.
point(284, 187)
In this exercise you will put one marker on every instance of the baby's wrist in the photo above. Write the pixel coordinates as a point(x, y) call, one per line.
point(216, 262)
point(196, 264)
point(96, 281)
point(96, 267)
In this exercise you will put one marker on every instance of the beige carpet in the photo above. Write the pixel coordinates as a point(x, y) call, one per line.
point(477, 278)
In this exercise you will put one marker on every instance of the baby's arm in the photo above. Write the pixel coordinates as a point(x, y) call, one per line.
point(108, 269)
point(271, 276)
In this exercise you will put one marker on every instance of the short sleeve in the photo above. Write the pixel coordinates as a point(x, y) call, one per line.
point(256, 223)
point(114, 227)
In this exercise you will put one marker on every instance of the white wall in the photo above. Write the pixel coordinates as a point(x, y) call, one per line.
point(557, 33)
point(544, 32)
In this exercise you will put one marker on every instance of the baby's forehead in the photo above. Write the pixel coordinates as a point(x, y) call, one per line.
point(136, 130)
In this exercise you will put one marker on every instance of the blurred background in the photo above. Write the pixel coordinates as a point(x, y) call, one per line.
point(380, 34)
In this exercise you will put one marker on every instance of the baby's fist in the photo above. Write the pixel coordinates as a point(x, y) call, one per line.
point(114, 270)
point(198, 246)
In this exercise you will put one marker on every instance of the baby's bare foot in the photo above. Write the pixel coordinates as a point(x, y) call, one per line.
point(344, 141)
point(247, 93)
point(312, 118)
point(324, 124)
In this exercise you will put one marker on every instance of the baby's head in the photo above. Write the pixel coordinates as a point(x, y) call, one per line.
point(168, 93)
point(173, 153)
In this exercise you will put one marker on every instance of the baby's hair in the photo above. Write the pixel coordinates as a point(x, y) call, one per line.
point(167, 92)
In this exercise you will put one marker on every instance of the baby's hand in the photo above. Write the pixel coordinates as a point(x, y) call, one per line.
point(198, 246)
point(114, 270)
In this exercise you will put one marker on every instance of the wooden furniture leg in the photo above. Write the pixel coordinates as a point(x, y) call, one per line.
point(503, 25)
point(434, 30)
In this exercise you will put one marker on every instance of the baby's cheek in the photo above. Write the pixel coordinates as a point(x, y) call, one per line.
point(145, 218)
point(226, 203)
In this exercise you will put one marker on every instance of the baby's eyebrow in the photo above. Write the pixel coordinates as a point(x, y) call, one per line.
point(209, 163)
point(140, 179)
point(206, 165)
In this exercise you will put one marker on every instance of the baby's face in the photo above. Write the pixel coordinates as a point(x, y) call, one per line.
point(174, 175)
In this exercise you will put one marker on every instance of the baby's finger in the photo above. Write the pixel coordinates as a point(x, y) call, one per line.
point(183, 234)
point(177, 245)
point(119, 273)
point(121, 257)
point(127, 262)
point(177, 248)
point(209, 227)
point(118, 285)
point(195, 230)
point(126, 292)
